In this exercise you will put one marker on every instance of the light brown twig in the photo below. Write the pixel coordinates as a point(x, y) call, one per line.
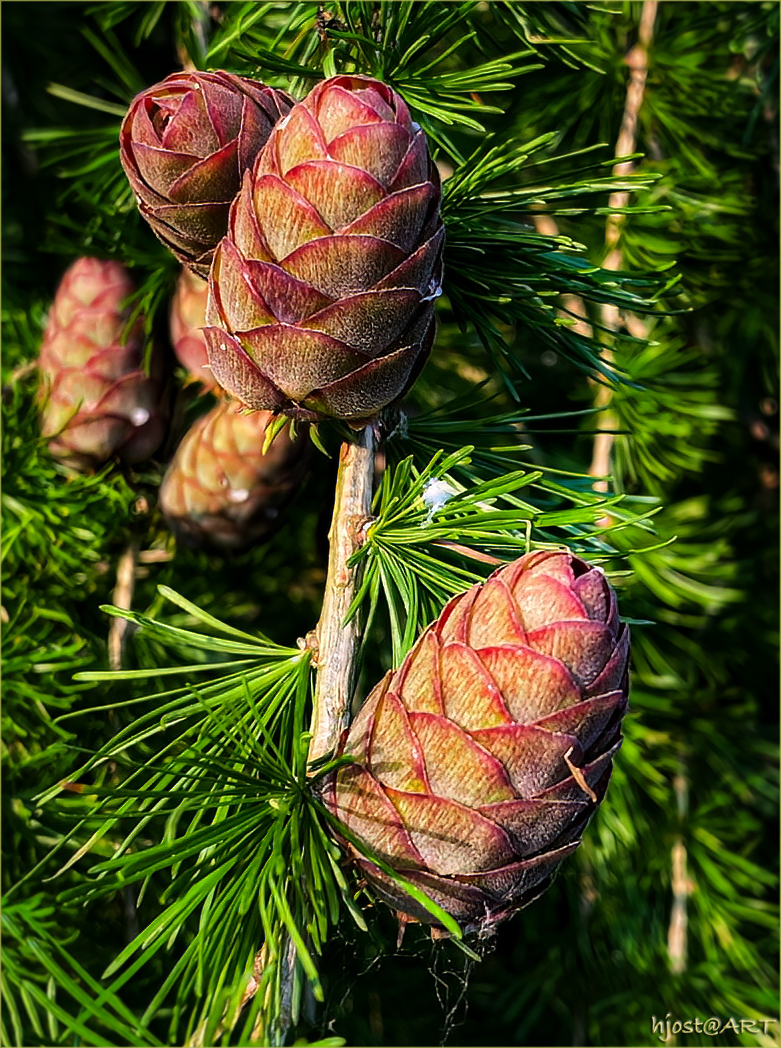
point(334, 646)
point(18, 375)
point(626, 143)
point(637, 60)
point(334, 643)
point(118, 632)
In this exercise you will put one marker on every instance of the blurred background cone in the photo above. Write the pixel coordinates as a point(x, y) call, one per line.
point(221, 491)
point(96, 400)
point(187, 318)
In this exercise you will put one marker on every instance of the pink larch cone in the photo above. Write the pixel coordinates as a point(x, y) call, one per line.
point(184, 145)
point(96, 400)
point(479, 762)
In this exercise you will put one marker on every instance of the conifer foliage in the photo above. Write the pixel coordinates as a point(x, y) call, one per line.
point(503, 278)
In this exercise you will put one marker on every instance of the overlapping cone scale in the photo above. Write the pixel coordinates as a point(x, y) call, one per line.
point(184, 145)
point(96, 400)
point(478, 763)
point(321, 294)
point(221, 491)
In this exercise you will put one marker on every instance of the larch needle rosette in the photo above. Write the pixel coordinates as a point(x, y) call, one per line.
point(322, 292)
point(96, 400)
point(478, 763)
point(184, 145)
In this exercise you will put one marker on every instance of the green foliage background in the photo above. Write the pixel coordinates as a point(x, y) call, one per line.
point(696, 404)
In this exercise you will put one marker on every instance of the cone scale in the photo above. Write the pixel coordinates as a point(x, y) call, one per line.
point(477, 764)
point(187, 317)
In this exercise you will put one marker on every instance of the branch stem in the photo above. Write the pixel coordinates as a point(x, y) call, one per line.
point(334, 647)
point(336, 643)
point(626, 143)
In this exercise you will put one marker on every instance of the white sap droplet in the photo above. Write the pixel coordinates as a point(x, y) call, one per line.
point(238, 495)
point(436, 494)
point(138, 416)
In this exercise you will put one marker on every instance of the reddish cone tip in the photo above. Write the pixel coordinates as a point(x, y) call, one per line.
point(479, 762)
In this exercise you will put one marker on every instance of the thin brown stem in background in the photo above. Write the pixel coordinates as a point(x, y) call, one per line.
point(626, 143)
point(122, 597)
point(682, 886)
point(570, 304)
point(118, 633)
point(18, 375)
point(637, 60)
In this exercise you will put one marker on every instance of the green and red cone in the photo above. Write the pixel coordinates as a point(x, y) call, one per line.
point(96, 400)
point(478, 763)
point(322, 289)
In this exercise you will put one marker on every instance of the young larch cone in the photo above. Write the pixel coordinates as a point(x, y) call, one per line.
point(187, 318)
point(220, 490)
point(184, 145)
point(322, 293)
point(479, 762)
point(96, 400)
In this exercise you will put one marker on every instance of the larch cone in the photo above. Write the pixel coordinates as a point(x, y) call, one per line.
point(478, 763)
point(187, 318)
point(185, 144)
point(322, 292)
